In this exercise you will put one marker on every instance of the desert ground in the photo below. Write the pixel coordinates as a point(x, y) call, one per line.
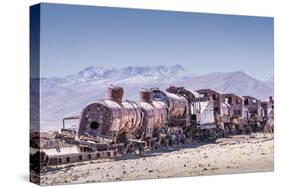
point(237, 154)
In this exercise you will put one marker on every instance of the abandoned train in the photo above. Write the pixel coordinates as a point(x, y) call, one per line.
point(161, 118)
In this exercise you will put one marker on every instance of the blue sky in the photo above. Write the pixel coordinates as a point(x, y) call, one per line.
point(75, 37)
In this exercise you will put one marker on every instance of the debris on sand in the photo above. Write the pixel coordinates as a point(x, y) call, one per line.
point(232, 155)
point(214, 168)
point(223, 144)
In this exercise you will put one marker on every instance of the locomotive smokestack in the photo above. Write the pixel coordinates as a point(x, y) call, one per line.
point(270, 99)
point(146, 95)
point(115, 93)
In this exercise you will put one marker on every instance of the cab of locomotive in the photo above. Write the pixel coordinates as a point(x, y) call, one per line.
point(239, 113)
point(268, 107)
point(215, 96)
point(254, 107)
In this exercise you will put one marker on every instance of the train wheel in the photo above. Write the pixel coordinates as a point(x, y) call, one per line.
point(226, 131)
point(221, 133)
point(233, 131)
point(240, 129)
point(248, 129)
point(189, 135)
point(213, 134)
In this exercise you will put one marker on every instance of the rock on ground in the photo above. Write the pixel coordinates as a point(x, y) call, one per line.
point(238, 154)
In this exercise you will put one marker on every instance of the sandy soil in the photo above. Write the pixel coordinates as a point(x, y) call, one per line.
point(238, 154)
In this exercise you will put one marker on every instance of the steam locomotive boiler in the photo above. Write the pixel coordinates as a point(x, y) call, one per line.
point(155, 113)
point(178, 121)
point(111, 116)
point(154, 117)
point(178, 106)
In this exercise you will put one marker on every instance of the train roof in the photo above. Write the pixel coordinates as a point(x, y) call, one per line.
point(232, 94)
point(208, 89)
point(250, 97)
point(184, 90)
point(196, 94)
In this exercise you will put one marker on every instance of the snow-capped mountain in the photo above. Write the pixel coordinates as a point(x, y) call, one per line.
point(68, 95)
point(134, 75)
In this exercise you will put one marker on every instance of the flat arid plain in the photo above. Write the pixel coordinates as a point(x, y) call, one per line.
point(237, 154)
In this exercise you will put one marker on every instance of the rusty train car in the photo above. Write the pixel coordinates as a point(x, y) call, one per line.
point(113, 126)
point(111, 116)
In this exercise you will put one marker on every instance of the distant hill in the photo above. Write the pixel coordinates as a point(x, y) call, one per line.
point(68, 95)
point(231, 82)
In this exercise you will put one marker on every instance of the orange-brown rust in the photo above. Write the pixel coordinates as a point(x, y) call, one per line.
point(115, 93)
point(146, 95)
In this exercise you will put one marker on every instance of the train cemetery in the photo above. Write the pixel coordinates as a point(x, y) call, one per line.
point(176, 132)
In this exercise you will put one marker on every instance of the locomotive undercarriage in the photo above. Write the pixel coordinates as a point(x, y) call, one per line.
point(111, 148)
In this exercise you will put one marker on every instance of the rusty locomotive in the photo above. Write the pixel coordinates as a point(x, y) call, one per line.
point(114, 126)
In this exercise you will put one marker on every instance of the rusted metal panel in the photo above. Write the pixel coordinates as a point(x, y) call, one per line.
point(96, 118)
point(216, 96)
point(154, 116)
point(254, 107)
point(207, 113)
point(115, 93)
point(224, 116)
point(225, 109)
point(58, 151)
point(188, 94)
point(236, 102)
point(131, 116)
point(207, 93)
point(177, 104)
point(146, 95)
point(148, 118)
point(154, 112)
point(245, 114)
point(268, 107)
point(193, 108)
point(108, 117)
point(161, 113)
point(87, 156)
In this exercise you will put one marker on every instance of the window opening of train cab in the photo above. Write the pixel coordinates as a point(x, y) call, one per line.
point(238, 101)
point(229, 99)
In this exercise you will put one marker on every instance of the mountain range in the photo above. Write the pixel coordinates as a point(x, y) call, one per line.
point(62, 96)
